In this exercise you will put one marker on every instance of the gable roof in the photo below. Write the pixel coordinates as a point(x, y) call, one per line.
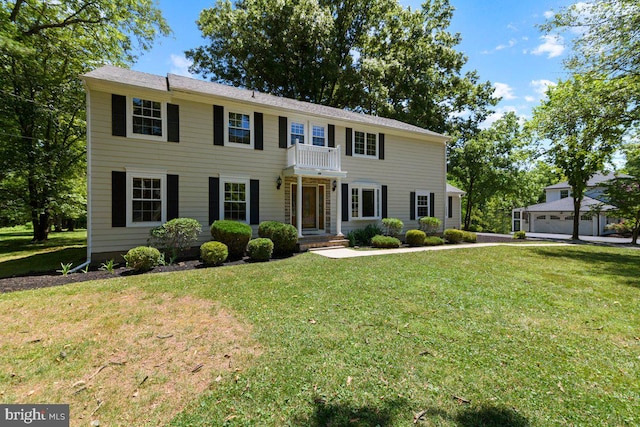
point(595, 180)
point(176, 83)
point(566, 205)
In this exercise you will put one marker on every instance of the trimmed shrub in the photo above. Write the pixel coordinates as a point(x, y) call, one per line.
point(520, 235)
point(453, 235)
point(176, 236)
point(392, 226)
point(433, 241)
point(143, 258)
point(469, 237)
point(362, 237)
point(234, 234)
point(260, 249)
point(213, 253)
point(430, 225)
point(283, 236)
point(415, 238)
point(385, 242)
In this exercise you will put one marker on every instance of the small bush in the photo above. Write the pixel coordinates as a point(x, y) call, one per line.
point(176, 236)
point(430, 225)
point(362, 237)
point(392, 226)
point(234, 234)
point(453, 235)
point(260, 249)
point(520, 235)
point(469, 237)
point(415, 238)
point(624, 228)
point(143, 258)
point(283, 236)
point(213, 253)
point(385, 242)
point(433, 241)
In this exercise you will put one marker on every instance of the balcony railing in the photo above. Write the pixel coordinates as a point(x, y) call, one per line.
point(313, 157)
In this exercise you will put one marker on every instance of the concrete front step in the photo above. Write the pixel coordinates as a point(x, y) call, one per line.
point(319, 242)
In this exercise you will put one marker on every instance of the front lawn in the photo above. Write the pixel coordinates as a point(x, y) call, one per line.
point(516, 336)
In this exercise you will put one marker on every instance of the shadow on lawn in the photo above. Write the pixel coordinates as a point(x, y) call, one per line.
point(43, 263)
point(624, 265)
point(490, 416)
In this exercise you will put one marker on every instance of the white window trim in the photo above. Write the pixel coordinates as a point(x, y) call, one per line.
point(163, 194)
point(353, 145)
point(377, 201)
point(236, 180)
point(251, 128)
point(163, 113)
point(423, 193)
point(305, 134)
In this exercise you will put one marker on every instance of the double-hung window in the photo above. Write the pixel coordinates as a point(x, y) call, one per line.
point(365, 202)
point(239, 128)
point(297, 133)
point(147, 118)
point(147, 197)
point(422, 204)
point(235, 204)
point(365, 144)
point(564, 194)
point(318, 135)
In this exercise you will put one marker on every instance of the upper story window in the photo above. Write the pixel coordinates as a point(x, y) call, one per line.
point(564, 194)
point(365, 144)
point(365, 202)
point(239, 128)
point(297, 133)
point(318, 135)
point(147, 117)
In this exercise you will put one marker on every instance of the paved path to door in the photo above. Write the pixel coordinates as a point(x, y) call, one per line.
point(339, 253)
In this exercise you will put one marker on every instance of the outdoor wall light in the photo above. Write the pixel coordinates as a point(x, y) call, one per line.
point(334, 184)
point(278, 182)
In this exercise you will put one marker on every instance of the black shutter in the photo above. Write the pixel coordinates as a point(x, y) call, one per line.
point(282, 132)
point(173, 123)
point(258, 142)
point(346, 206)
point(381, 146)
point(450, 207)
point(214, 199)
point(432, 204)
point(118, 199)
point(118, 115)
point(218, 125)
point(254, 201)
point(349, 140)
point(384, 201)
point(412, 206)
point(172, 197)
point(332, 136)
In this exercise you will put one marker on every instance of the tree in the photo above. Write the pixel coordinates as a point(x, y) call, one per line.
point(486, 163)
point(624, 194)
point(371, 56)
point(44, 47)
point(580, 120)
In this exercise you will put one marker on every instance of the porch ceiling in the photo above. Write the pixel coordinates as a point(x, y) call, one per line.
point(322, 173)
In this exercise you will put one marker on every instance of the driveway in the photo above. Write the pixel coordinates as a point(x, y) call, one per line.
point(597, 239)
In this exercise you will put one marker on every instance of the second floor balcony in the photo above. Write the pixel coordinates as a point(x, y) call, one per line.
point(312, 157)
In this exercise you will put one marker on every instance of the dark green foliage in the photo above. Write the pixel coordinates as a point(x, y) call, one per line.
point(143, 258)
point(176, 236)
point(260, 249)
point(415, 237)
point(433, 241)
point(283, 236)
point(380, 241)
point(362, 236)
point(392, 226)
point(469, 237)
point(234, 234)
point(520, 235)
point(213, 253)
point(452, 235)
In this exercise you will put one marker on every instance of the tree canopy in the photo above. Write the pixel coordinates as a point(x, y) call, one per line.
point(624, 194)
point(371, 56)
point(44, 48)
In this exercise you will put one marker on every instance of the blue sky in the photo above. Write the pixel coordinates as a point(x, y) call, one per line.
point(499, 37)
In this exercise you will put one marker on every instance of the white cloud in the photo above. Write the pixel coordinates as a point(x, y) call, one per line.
point(180, 65)
point(504, 91)
point(512, 27)
point(511, 43)
point(497, 115)
point(553, 46)
point(540, 86)
point(529, 98)
point(549, 14)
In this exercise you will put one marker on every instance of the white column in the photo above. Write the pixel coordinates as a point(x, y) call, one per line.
point(339, 207)
point(299, 206)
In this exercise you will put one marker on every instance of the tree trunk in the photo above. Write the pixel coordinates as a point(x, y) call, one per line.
point(41, 227)
point(576, 219)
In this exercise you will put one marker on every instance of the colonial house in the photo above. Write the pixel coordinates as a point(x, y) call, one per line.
point(556, 214)
point(163, 147)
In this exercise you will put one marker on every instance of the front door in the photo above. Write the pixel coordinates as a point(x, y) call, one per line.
point(309, 207)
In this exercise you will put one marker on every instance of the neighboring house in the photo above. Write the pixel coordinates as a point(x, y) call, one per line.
point(163, 147)
point(556, 214)
point(454, 207)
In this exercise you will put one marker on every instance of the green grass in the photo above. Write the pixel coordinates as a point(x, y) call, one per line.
point(530, 336)
point(19, 256)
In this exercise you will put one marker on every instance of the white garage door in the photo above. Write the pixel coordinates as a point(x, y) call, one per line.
point(557, 224)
